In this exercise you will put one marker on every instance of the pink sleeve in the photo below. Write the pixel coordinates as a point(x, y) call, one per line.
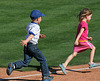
point(84, 25)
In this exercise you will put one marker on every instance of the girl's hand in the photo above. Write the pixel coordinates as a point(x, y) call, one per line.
point(76, 43)
point(42, 36)
point(89, 38)
point(78, 36)
point(24, 42)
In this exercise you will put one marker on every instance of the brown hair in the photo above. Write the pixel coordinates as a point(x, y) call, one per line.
point(83, 13)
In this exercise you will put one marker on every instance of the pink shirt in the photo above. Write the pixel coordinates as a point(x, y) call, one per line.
point(84, 35)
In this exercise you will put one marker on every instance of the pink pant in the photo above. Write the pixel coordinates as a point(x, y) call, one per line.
point(82, 47)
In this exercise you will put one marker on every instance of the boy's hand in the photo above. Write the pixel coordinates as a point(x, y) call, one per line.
point(24, 42)
point(89, 38)
point(42, 36)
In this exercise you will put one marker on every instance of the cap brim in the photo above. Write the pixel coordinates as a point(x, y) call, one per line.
point(43, 15)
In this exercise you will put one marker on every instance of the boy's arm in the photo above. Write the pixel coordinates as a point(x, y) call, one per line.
point(42, 36)
point(24, 42)
point(79, 35)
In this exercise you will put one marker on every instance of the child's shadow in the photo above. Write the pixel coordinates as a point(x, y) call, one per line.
point(52, 71)
point(57, 71)
point(78, 71)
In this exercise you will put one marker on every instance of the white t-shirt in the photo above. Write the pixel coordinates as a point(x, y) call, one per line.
point(33, 28)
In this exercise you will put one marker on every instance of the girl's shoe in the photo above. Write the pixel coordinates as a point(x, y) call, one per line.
point(63, 68)
point(93, 65)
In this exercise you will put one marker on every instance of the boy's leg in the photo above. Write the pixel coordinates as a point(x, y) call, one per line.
point(44, 68)
point(37, 54)
point(25, 63)
point(19, 64)
point(40, 58)
point(27, 59)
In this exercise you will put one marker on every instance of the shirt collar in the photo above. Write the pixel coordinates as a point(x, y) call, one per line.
point(33, 22)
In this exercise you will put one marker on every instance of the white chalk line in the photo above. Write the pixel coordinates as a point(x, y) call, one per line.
point(51, 73)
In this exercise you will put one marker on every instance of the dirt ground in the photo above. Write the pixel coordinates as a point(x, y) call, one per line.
point(74, 73)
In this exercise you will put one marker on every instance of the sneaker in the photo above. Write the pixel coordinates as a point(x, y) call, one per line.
point(48, 78)
point(10, 68)
point(93, 65)
point(63, 68)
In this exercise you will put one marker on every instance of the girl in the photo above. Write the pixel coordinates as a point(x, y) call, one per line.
point(81, 40)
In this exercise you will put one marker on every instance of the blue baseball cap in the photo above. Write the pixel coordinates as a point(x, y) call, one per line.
point(36, 14)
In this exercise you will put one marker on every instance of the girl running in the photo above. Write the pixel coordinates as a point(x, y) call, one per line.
point(81, 41)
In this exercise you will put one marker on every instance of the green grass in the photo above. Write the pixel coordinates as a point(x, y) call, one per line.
point(59, 25)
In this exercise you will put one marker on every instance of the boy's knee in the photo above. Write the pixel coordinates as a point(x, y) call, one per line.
point(26, 63)
point(42, 60)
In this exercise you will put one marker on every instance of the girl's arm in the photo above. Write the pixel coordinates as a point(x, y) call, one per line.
point(79, 35)
point(24, 42)
point(89, 38)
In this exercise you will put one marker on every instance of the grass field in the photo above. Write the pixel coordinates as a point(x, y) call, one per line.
point(59, 25)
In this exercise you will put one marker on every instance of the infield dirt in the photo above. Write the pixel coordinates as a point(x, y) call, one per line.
point(72, 75)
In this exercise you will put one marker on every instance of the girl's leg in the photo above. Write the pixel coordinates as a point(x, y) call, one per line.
point(92, 54)
point(91, 64)
point(70, 57)
point(63, 66)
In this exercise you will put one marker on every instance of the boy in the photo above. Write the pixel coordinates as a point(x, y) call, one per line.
point(30, 47)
